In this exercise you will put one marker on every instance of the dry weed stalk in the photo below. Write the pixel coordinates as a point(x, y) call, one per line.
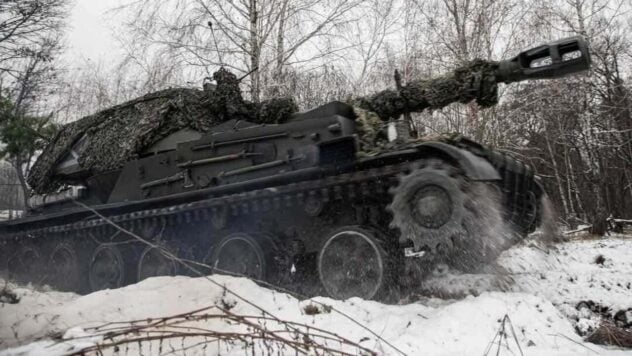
point(262, 333)
point(502, 335)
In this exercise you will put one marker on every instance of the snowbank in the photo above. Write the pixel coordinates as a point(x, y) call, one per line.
point(540, 308)
point(572, 273)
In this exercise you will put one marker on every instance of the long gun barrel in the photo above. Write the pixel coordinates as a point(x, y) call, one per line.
point(478, 80)
point(551, 60)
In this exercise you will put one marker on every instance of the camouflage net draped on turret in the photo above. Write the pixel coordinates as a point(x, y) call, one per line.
point(116, 134)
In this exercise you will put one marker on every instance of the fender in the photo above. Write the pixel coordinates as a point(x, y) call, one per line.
point(475, 167)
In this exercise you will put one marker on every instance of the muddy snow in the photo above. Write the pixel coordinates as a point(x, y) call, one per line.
point(534, 301)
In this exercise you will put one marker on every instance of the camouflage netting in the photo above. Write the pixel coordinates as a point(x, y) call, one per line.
point(474, 81)
point(118, 133)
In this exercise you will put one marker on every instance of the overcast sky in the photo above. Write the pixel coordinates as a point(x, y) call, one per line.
point(90, 30)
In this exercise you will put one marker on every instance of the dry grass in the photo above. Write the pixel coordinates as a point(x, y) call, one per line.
point(608, 333)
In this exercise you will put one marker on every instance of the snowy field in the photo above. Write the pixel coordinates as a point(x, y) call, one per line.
point(536, 303)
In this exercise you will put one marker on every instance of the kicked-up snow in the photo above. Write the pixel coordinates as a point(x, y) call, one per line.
point(538, 293)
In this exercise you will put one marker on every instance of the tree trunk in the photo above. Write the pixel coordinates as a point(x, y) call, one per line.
point(280, 45)
point(556, 171)
point(255, 52)
point(570, 178)
point(17, 164)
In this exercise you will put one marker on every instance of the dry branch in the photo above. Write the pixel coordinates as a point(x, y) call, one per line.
point(301, 338)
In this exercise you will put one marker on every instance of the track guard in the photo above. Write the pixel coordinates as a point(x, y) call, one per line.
point(475, 167)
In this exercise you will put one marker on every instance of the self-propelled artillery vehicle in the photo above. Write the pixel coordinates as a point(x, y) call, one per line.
point(203, 178)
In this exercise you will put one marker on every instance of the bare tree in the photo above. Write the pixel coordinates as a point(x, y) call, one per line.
point(91, 86)
point(366, 38)
point(456, 31)
point(30, 33)
point(580, 142)
point(576, 131)
point(25, 25)
point(259, 37)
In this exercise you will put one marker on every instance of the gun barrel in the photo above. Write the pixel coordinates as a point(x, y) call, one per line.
point(551, 60)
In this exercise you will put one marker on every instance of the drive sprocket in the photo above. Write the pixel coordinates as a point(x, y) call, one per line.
point(427, 206)
point(457, 221)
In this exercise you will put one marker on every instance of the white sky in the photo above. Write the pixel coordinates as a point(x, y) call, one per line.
point(90, 30)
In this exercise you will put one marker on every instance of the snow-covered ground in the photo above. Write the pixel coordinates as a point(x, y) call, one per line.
point(539, 295)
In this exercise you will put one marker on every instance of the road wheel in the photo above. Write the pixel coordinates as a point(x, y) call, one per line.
point(107, 268)
point(241, 254)
point(153, 262)
point(352, 263)
point(63, 268)
point(25, 265)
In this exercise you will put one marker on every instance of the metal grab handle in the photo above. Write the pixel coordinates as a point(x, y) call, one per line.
point(551, 60)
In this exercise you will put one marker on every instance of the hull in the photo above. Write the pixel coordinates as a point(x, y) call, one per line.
point(290, 217)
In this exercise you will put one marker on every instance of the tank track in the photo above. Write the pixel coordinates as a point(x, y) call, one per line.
point(343, 186)
point(370, 189)
point(348, 187)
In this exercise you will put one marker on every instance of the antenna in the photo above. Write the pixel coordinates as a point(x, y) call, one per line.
point(219, 53)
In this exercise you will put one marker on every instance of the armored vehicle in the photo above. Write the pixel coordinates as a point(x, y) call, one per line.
point(185, 182)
